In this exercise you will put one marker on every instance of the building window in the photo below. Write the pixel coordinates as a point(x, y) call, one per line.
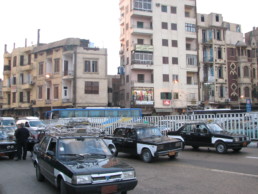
point(173, 26)
point(217, 18)
point(189, 80)
point(191, 59)
point(202, 18)
point(164, 25)
point(40, 92)
point(173, 9)
point(164, 8)
point(175, 78)
point(165, 77)
point(21, 60)
point(246, 71)
point(165, 96)
point(91, 87)
point(56, 92)
point(220, 72)
point(190, 27)
point(41, 68)
point(174, 43)
point(127, 78)
point(28, 96)
point(175, 95)
point(91, 66)
point(140, 78)
point(14, 97)
point(21, 97)
point(247, 92)
point(174, 60)
point(221, 91)
point(164, 42)
point(14, 61)
point(165, 60)
point(219, 53)
point(140, 41)
point(14, 80)
point(57, 66)
point(254, 73)
point(231, 52)
point(144, 5)
point(141, 58)
point(139, 24)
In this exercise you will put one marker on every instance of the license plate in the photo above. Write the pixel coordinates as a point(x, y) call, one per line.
point(171, 153)
point(108, 189)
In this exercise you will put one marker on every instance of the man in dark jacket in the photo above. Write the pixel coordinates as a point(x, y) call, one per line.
point(21, 134)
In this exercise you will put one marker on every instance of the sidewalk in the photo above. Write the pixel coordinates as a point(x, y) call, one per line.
point(253, 144)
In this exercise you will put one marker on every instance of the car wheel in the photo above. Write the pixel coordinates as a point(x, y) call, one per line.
point(113, 150)
point(236, 149)
point(221, 147)
point(39, 176)
point(11, 156)
point(62, 187)
point(146, 156)
point(195, 147)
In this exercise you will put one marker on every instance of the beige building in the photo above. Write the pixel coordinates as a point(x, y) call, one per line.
point(62, 74)
point(228, 66)
point(159, 71)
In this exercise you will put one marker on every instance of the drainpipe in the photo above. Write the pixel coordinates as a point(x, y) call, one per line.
point(75, 79)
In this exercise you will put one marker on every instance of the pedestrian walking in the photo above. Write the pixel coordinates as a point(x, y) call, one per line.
point(21, 134)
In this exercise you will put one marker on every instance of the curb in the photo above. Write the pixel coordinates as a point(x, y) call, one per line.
point(253, 145)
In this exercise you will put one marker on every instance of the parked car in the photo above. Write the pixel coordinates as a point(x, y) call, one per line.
point(7, 145)
point(31, 123)
point(144, 140)
point(8, 125)
point(78, 163)
point(207, 134)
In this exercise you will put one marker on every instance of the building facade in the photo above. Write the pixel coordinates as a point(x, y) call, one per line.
point(159, 71)
point(63, 74)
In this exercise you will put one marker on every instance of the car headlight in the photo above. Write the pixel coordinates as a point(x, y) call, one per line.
point(128, 175)
point(236, 139)
point(81, 179)
point(160, 147)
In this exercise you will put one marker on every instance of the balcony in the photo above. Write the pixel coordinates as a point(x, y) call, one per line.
point(208, 59)
point(6, 89)
point(28, 67)
point(7, 69)
point(141, 31)
point(68, 74)
point(137, 83)
point(27, 86)
point(141, 13)
point(242, 58)
point(143, 48)
point(67, 100)
point(48, 101)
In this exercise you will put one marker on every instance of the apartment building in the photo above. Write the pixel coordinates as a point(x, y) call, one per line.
point(228, 66)
point(158, 55)
point(62, 74)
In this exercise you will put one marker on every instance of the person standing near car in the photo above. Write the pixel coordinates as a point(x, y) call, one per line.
point(21, 134)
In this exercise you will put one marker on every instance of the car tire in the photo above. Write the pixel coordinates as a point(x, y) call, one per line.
point(221, 147)
point(62, 187)
point(11, 156)
point(146, 156)
point(113, 150)
point(39, 176)
point(236, 149)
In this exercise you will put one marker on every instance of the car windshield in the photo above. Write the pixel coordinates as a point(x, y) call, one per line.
point(8, 122)
point(36, 123)
point(215, 128)
point(148, 132)
point(3, 135)
point(83, 146)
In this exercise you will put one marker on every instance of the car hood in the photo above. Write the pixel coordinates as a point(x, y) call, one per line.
point(88, 166)
point(227, 134)
point(7, 141)
point(158, 140)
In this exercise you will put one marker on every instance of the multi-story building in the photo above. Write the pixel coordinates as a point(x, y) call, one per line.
point(62, 74)
point(227, 64)
point(159, 71)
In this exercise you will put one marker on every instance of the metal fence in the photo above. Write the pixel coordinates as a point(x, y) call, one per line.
point(243, 123)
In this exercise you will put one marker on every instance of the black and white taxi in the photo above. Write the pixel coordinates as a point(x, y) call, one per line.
point(208, 134)
point(76, 163)
point(144, 140)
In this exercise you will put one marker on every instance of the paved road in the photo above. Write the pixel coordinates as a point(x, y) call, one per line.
point(202, 172)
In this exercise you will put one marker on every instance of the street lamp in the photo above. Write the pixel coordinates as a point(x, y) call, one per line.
point(241, 97)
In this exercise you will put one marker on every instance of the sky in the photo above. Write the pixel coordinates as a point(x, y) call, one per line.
point(95, 20)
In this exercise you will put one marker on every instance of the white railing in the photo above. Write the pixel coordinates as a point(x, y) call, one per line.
point(243, 123)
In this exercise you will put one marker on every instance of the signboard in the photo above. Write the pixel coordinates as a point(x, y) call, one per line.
point(146, 48)
point(166, 102)
point(248, 105)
